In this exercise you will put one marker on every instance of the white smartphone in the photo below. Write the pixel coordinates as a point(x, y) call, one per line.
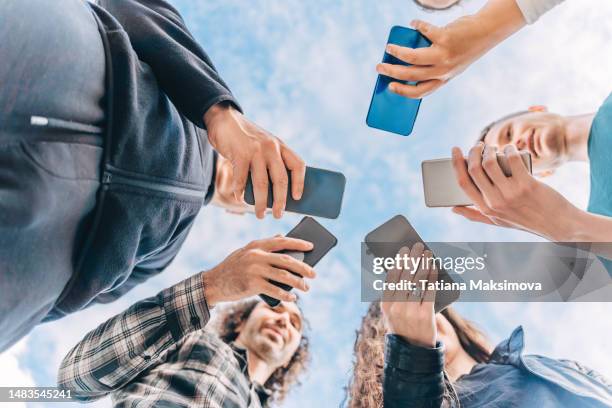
point(440, 183)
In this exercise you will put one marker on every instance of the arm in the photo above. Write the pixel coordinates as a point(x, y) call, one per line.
point(141, 337)
point(186, 74)
point(523, 202)
point(131, 342)
point(413, 375)
point(183, 69)
point(414, 360)
point(454, 47)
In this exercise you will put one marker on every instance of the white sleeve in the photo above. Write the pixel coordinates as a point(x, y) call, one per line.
point(534, 9)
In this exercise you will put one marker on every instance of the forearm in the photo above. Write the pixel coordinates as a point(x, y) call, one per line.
point(413, 376)
point(499, 19)
point(124, 346)
point(161, 39)
point(593, 228)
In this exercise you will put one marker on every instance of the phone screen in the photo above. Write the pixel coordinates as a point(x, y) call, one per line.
point(322, 196)
point(389, 111)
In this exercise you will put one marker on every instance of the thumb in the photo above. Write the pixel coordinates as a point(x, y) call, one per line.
point(430, 31)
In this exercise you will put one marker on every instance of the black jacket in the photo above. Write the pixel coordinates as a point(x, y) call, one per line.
point(413, 378)
point(158, 167)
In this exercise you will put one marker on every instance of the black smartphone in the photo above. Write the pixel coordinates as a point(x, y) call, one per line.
point(386, 240)
point(322, 196)
point(323, 241)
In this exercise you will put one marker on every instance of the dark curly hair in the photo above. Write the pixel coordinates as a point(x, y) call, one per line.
point(230, 317)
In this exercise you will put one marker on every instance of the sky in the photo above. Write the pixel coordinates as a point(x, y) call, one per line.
point(305, 71)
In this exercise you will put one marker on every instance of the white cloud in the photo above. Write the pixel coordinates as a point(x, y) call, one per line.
point(305, 70)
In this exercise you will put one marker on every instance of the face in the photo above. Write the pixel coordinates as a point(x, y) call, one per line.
point(436, 4)
point(273, 334)
point(448, 336)
point(541, 133)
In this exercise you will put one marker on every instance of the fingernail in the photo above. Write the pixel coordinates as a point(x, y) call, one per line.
point(306, 287)
point(293, 297)
point(390, 48)
point(392, 87)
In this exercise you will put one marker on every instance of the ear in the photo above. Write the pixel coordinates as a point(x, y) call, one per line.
point(538, 108)
point(545, 173)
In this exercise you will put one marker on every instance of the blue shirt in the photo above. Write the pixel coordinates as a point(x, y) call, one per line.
point(600, 157)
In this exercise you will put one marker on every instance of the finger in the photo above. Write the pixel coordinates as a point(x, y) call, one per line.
point(414, 56)
point(240, 170)
point(464, 180)
point(405, 73)
point(491, 194)
point(416, 91)
point(517, 166)
point(259, 175)
point(291, 264)
point(473, 214)
point(420, 276)
point(281, 243)
point(415, 253)
point(492, 168)
point(298, 171)
point(397, 274)
point(432, 32)
point(277, 293)
point(283, 276)
point(430, 294)
point(280, 183)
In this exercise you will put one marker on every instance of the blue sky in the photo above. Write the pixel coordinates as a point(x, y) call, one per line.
point(305, 71)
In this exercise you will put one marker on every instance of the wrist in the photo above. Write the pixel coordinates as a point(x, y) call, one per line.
point(216, 114)
point(429, 344)
point(211, 294)
point(580, 227)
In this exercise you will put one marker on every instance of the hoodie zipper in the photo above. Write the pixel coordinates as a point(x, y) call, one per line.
point(112, 177)
point(43, 121)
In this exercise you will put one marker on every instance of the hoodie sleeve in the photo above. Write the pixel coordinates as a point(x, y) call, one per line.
point(184, 71)
point(413, 376)
point(121, 348)
point(534, 9)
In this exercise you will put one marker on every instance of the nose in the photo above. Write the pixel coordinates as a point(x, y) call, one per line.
point(282, 319)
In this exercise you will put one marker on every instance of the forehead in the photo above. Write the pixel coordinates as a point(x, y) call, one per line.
point(494, 129)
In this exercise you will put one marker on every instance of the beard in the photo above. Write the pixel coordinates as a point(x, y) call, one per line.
point(266, 349)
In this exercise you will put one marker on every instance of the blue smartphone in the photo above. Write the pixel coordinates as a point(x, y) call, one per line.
point(389, 111)
point(322, 195)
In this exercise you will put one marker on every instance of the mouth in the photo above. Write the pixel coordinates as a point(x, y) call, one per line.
point(277, 336)
point(533, 144)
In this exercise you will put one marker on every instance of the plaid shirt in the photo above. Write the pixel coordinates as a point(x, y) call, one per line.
point(155, 354)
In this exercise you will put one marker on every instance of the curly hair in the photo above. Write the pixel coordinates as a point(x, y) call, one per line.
point(365, 388)
point(230, 317)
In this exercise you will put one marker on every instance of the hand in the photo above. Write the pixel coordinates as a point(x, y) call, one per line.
point(247, 271)
point(251, 148)
point(411, 314)
point(454, 47)
point(519, 201)
point(224, 190)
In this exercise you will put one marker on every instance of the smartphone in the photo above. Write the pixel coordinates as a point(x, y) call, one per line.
point(323, 241)
point(389, 111)
point(322, 196)
point(440, 183)
point(386, 241)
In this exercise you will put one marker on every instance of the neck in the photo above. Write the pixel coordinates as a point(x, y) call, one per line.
point(259, 370)
point(577, 130)
point(462, 363)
